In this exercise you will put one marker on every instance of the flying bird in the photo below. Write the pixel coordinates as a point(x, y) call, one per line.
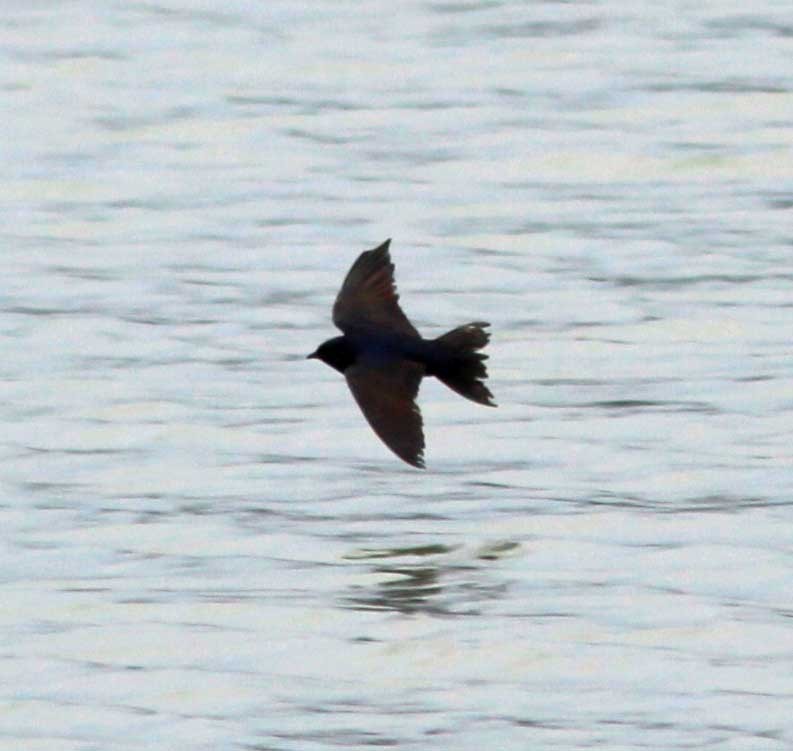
point(383, 357)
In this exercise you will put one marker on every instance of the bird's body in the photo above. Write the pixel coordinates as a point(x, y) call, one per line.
point(384, 358)
point(342, 351)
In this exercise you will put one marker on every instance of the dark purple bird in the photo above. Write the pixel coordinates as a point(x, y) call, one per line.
point(384, 358)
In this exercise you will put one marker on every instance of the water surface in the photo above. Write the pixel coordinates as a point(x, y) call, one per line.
point(205, 547)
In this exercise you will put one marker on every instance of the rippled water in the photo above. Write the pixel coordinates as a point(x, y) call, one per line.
point(205, 547)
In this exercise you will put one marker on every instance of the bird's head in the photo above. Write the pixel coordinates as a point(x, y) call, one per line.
point(335, 352)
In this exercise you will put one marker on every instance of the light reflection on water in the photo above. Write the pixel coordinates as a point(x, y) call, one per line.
point(206, 547)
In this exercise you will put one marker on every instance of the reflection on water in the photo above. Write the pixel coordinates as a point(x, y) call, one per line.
point(204, 545)
point(409, 587)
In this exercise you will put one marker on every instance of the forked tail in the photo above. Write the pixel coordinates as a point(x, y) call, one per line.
point(461, 366)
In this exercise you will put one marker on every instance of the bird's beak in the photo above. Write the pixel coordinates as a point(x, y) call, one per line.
point(312, 356)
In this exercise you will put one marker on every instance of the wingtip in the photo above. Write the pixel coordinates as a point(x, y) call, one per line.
point(414, 461)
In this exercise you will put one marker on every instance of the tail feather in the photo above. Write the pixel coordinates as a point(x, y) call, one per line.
point(462, 367)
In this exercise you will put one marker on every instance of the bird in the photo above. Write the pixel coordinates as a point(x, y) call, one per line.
point(384, 358)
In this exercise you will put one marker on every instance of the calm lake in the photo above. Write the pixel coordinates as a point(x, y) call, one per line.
point(202, 543)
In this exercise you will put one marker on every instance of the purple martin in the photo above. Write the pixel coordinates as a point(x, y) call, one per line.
point(383, 357)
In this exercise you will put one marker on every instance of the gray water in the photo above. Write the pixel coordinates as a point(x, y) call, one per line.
point(203, 544)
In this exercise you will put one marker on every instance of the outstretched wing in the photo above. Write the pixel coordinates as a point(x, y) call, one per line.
point(368, 297)
point(386, 394)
